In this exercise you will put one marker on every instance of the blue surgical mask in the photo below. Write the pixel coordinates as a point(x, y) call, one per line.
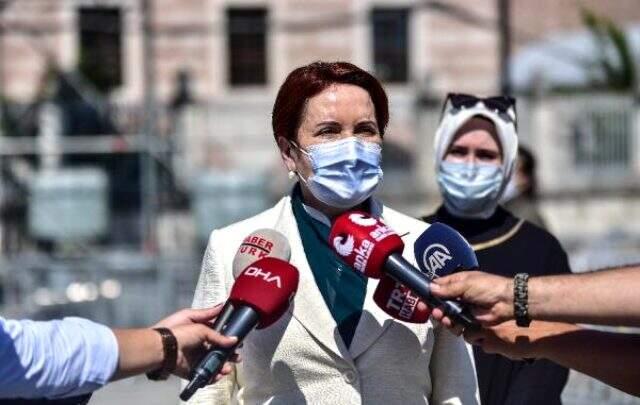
point(345, 172)
point(470, 190)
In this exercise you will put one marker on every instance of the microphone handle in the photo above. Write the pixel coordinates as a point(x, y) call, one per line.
point(224, 316)
point(241, 322)
point(396, 267)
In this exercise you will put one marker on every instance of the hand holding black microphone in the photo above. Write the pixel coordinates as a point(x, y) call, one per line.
point(439, 251)
point(369, 246)
point(258, 298)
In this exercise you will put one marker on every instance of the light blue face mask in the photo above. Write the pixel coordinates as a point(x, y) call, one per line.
point(470, 190)
point(345, 172)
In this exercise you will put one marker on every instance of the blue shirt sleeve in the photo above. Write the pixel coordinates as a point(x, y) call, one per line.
point(60, 358)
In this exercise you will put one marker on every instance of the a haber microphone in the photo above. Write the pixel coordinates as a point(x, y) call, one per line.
point(441, 250)
point(259, 244)
point(371, 247)
point(260, 296)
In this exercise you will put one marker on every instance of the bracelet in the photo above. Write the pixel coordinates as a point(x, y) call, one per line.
point(170, 350)
point(521, 300)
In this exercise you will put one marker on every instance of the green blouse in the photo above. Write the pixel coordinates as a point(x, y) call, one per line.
point(342, 288)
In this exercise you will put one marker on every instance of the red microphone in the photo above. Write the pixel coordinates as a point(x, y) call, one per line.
point(371, 247)
point(259, 297)
point(400, 302)
point(267, 286)
point(364, 242)
point(257, 245)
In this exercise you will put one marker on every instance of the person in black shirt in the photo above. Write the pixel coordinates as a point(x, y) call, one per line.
point(476, 146)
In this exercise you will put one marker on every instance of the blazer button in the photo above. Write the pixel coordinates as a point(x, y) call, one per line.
point(350, 376)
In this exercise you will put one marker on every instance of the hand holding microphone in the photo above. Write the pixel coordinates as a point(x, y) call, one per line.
point(372, 248)
point(259, 297)
point(439, 251)
point(491, 295)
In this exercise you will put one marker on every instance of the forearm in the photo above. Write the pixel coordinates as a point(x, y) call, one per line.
point(139, 351)
point(54, 359)
point(602, 297)
point(609, 357)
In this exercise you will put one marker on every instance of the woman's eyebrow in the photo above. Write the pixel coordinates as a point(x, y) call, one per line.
point(367, 122)
point(327, 123)
point(489, 151)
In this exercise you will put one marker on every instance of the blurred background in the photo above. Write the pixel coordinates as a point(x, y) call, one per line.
point(129, 129)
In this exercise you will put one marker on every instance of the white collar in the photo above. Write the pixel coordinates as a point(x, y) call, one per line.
point(317, 215)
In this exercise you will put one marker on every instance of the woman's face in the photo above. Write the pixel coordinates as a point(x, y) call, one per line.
point(474, 144)
point(340, 111)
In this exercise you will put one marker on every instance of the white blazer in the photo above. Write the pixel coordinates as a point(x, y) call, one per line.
point(302, 359)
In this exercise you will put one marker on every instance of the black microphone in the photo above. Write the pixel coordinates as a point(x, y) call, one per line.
point(369, 246)
point(259, 297)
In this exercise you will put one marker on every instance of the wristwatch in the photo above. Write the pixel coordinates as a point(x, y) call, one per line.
point(521, 300)
point(170, 350)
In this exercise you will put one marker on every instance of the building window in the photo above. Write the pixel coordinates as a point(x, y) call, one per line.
point(602, 139)
point(100, 58)
point(391, 44)
point(246, 33)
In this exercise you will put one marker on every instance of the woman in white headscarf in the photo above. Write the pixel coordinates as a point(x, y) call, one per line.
point(476, 146)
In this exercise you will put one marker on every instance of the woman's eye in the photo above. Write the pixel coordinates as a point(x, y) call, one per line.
point(368, 131)
point(487, 156)
point(327, 131)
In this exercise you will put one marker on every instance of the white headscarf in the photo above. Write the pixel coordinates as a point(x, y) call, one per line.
point(453, 118)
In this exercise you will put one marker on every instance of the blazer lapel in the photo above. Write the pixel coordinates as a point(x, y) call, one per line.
point(309, 307)
point(373, 322)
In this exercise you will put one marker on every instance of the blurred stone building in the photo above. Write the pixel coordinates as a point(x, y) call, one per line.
point(220, 62)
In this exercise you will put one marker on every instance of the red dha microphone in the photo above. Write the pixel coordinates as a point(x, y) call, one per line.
point(371, 247)
point(257, 245)
point(259, 297)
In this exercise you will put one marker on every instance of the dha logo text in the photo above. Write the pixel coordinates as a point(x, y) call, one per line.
point(265, 275)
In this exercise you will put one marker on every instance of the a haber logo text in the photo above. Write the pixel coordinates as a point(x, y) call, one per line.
point(362, 220)
point(381, 232)
point(435, 257)
point(362, 255)
point(403, 302)
point(254, 271)
point(256, 246)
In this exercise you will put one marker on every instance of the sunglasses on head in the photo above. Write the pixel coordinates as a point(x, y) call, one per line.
point(500, 104)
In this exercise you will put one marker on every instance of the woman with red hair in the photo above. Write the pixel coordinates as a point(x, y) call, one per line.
point(334, 345)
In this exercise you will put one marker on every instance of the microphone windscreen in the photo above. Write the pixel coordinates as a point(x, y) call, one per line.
point(259, 244)
point(267, 286)
point(364, 242)
point(400, 302)
point(441, 250)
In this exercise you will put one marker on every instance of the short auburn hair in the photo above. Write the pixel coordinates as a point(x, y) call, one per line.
point(307, 81)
